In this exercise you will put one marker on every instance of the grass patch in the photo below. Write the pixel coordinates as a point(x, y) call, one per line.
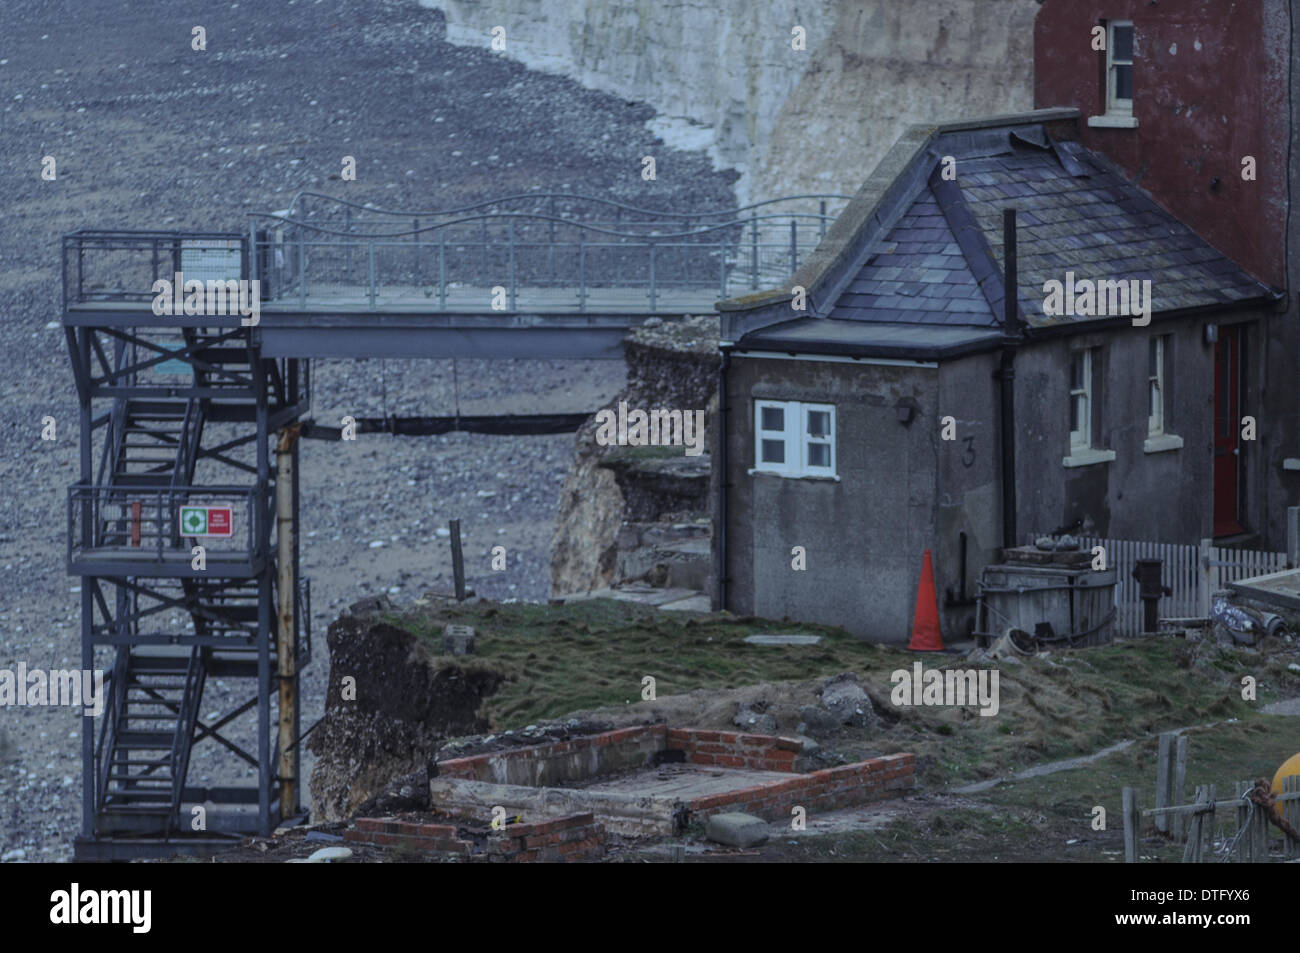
point(592, 654)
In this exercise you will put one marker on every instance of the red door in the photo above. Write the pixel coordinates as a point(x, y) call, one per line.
point(1227, 431)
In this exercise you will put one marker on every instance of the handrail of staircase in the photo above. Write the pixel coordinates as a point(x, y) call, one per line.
point(180, 755)
point(108, 730)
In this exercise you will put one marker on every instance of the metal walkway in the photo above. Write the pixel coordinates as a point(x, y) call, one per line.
point(160, 394)
point(535, 275)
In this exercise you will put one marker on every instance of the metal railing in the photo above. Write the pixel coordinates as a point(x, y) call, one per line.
point(138, 523)
point(101, 265)
point(556, 252)
point(547, 256)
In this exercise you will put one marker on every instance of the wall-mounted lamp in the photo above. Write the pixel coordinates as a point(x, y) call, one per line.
point(905, 413)
point(1211, 334)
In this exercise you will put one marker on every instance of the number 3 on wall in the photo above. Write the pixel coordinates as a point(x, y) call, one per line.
point(968, 458)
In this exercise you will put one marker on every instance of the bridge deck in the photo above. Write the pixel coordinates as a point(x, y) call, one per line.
point(405, 322)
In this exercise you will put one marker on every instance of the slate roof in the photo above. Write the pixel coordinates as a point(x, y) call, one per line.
point(1075, 212)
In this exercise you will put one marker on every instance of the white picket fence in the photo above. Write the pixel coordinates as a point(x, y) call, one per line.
point(1194, 573)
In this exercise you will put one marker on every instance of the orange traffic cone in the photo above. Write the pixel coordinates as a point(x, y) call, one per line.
point(925, 622)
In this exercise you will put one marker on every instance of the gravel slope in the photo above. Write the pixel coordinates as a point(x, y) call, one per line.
point(148, 133)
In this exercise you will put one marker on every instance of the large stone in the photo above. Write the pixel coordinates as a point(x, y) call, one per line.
point(329, 855)
point(458, 640)
point(755, 722)
point(736, 830)
point(844, 698)
point(817, 722)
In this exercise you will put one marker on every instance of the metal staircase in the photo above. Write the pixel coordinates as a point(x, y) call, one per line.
point(163, 406)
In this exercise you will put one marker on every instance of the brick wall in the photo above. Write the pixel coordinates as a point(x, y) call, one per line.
point(572, 760)
point(578, 837)
point(573, 838)
point(826, 790)
point(730, 749)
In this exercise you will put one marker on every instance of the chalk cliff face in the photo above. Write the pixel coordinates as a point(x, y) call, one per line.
point(605, 508)
point(816, 119)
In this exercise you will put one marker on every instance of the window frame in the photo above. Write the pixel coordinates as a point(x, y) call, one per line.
point(796, 439)
point(1157, 416)
point(1081, 439)
point(1116, 106)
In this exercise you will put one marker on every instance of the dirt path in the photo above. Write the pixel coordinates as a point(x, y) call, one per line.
point(1288, 707)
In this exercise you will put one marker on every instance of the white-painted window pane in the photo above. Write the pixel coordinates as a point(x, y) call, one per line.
point(819, 423)
point(773, 418)
point(774, 451)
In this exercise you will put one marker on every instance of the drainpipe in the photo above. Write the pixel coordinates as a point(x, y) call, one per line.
point(1006, 375)
point(720, 572)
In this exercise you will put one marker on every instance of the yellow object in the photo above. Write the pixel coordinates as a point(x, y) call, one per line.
point(1289, 767)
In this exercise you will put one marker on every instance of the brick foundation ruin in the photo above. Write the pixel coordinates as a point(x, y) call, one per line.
point(648, 780)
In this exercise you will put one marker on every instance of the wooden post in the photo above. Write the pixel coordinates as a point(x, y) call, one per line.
point(1194, 827)
point(1293, 537)
point(1259, 836)
point(1210, 821)
point(1243, 812)
point(457, 560)
point(1291, 811)
point(135, 522)
point(1180, 789)
point(1132, 823)
point(285, 649)
point(1207, 576)
point(1164, 779)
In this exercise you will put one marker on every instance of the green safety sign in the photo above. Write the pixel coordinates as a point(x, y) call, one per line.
point(206, 521)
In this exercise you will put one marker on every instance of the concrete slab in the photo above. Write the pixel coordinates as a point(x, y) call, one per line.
point(793, 639)
point(648, 595)
point(696, 603)
point(685, 781)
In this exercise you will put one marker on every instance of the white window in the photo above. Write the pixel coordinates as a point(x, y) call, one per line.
point(1081, 399)
point(1156, 385)
point(1121, 48)
point(793, 438)
point(1119, 67)
point(1159, 425)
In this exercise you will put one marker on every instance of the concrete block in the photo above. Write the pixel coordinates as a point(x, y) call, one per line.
point(736, 830)
point(458, 640)
point(793, 639)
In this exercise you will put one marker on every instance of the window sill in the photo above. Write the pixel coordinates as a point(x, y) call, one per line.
point(1160, 443)
point(1113, 121)
point(825, 477)
point(1087, 456)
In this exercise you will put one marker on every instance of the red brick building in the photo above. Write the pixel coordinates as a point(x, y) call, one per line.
point(1195, 101)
